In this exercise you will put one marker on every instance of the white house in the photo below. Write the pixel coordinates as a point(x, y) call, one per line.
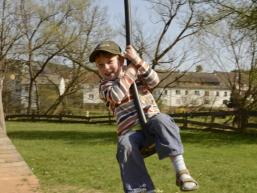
point(193, 89)
point(90, 93)
point(178, 90)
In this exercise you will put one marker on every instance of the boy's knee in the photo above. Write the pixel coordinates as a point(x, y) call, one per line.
point(163, 121)
point(124, 149)
point(127, 147)
point(124, 145)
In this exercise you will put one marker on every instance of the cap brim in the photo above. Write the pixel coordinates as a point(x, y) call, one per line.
point(95, 52)
point(93, 55)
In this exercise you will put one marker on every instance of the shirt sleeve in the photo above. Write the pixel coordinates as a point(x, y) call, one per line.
point(115, 91)
point(148, 75)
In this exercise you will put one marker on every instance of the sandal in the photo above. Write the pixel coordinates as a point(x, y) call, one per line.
point(181, 182)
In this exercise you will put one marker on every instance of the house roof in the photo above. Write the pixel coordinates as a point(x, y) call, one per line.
point(191, 80)
point(232, 78)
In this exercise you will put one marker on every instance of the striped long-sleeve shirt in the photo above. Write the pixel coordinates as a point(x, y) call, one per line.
point(119, 97)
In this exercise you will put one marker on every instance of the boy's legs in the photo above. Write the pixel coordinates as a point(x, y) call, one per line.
point(166, 135)
point(134, 174)
point(169, 144)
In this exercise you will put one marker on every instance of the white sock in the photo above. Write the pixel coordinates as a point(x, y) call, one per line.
point(178, 163)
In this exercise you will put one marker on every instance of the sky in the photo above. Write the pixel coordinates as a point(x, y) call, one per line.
point(115, 9)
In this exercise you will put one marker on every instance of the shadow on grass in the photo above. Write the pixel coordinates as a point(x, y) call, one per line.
point(206, 138)
point(216, 138)
point(74, 137)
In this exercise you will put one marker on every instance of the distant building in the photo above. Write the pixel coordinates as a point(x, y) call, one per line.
point(176, 89)
point(91, 90)
point(179, 90)
point(193, 89)
point(16, 87)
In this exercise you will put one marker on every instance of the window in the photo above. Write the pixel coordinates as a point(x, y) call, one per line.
point(197, 92)
point(91, 97)
point(26, 88)
point(225, 93)
point(90, 86)
point(217, 93)
point(177, 92)
point(165, 92)
point(206, 93)
point(206, 102)
point(178, 101)
point(186, 92)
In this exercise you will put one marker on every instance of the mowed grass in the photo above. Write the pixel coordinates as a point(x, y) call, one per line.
point(79, 158)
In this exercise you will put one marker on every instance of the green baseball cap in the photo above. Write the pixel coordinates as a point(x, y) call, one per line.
point(105, 46)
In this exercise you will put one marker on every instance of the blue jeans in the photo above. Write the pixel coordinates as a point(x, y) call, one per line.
point(161, 130)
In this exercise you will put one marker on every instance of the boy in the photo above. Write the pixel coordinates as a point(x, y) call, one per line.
point(160, 129)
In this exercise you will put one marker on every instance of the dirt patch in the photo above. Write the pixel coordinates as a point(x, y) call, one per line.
point(19, 185)
point(68, 189)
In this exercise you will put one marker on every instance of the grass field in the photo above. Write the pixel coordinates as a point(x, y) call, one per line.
point(77, 158)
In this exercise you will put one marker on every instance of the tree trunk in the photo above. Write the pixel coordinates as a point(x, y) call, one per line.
point(241, 119)
point(30, 98)
point(2, 119)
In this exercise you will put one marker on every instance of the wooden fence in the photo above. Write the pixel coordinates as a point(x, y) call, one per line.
point(223, 120)
point(218, 120)
point(62, 118)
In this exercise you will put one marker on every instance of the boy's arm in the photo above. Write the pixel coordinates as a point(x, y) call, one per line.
point(145, 72)
point(148, 75)
point(115, 91)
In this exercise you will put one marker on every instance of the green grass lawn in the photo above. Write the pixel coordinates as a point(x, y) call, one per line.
point(79, 158)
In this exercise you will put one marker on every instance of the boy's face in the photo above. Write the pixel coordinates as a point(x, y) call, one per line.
point(110, 66)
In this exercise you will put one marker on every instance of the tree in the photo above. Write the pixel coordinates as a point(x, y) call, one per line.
point(11, 97)
point(199, 68)
point(9, 35)
point(242, 14)
point(180, 15)
point(170, 48)
point(230, 46)
point(53, 32)
point(91, 27)
point(44, 37)
point(247, 17)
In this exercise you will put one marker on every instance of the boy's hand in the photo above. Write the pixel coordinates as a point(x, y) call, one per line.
point(132, 56)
